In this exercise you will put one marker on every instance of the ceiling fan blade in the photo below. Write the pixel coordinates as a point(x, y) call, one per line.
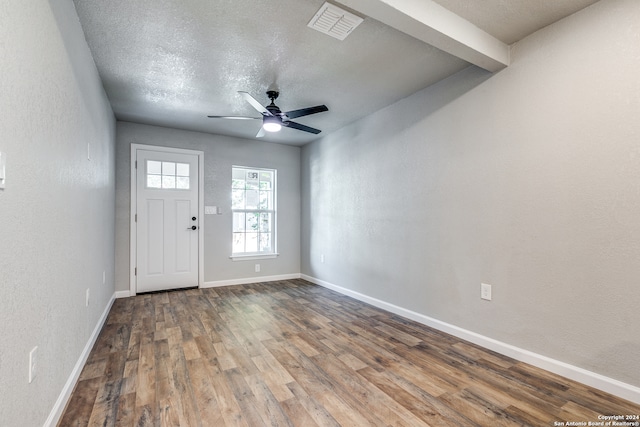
point(260, 133)
point(254, 103)
point(298, 126)
point(235, 117)
point(306, 111)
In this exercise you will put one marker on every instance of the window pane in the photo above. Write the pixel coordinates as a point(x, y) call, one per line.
point(154, 167)
point(251, 242)
point(266, 175)
point(265, 222)
point(168, 181)
point(182, 182)
point(154, 181)
point(265, 185)
point(266, 179)
point(265, 242)
point(252, 222)
point(238, 222)
point(253, 199)
point(252, 179)
point(265, 200)
point(237, 199)
point(182, 169)
point(168, 168)
point(238, 243)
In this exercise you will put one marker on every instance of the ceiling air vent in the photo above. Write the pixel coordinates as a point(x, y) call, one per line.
point(336, 22)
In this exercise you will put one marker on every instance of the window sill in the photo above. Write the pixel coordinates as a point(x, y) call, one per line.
point(253, 257)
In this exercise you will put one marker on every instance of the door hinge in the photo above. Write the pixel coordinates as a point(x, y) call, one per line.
point(136, 219)
point(135, 271)
point(136, 164)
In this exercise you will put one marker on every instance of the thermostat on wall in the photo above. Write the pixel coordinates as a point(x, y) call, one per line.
point(3, 168)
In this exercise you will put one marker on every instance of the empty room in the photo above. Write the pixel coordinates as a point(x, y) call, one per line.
point(310, 213)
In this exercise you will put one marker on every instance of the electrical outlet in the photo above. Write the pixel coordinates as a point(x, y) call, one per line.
point(33, 363)
point(485, 291)
point(257, 268)
point(87, 299)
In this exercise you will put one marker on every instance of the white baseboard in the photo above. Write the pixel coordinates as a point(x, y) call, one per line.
point(230, 282)
point(257, 279)
point(123, 294)
point(61, 403)
point(592, 379)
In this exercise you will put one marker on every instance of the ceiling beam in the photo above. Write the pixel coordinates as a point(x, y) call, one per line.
point(431, 23)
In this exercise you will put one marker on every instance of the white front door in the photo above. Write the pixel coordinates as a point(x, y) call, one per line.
point(167, 220)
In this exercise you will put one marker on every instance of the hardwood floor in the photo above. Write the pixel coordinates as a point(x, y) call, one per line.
point(290, 353)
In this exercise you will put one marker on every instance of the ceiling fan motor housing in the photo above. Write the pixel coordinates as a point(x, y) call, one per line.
point(273, 108)
point(272, 94)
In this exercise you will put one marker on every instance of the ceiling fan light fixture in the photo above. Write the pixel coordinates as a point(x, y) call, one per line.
point(271, 124)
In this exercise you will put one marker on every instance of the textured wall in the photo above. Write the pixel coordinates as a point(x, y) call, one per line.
point(57, 211)
point(528, 180)
point(220, 153)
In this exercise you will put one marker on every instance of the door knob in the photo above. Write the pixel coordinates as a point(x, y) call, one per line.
point(193, 227)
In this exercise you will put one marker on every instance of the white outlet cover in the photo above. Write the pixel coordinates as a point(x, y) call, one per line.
point(485, 291)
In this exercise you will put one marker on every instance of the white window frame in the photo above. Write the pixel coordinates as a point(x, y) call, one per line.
point(247, 256)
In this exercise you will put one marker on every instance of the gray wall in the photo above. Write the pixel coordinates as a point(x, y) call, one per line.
point(528, 180)
point(57, 211)
point(220, 153)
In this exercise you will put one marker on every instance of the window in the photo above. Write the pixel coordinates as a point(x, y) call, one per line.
point(253, 202)
point(167, 175)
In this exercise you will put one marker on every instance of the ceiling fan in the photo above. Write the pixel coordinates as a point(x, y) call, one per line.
point(273, 119)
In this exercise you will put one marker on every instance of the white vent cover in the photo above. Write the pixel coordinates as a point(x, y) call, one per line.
point(332, 20)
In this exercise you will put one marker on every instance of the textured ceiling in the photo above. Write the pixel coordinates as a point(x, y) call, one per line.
point(173, 62)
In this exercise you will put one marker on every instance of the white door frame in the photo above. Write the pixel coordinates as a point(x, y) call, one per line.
point(133, 247)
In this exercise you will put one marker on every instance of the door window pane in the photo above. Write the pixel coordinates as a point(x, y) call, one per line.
point(168, 175)
point(168, 181)
point(182, 183)
point(168, 168)
point(182, 169)
point(154, 167)
point(154, 181)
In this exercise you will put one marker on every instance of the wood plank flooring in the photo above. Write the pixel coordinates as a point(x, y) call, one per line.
point(290, 353)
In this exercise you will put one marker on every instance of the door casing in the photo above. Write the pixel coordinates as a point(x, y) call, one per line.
point(133, 246)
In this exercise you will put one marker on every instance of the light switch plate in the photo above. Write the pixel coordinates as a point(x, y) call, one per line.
point(211, 210)
point(3, 169)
